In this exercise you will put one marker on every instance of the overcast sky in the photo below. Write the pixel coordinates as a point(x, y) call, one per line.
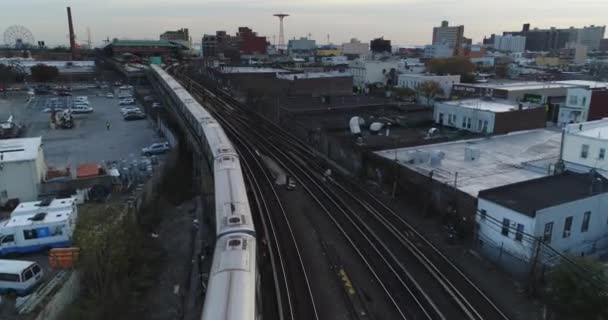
point(405, 22)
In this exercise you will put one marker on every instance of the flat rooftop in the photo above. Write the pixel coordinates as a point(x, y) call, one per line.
point(494, 105)
point(22, 149)
point(250, 70)
point(25, 220)
point(585, 83)
point(592, 129)
point(499, 160)
point(313, 75)
point(28, 208)
point(530, 196)
point(537, 85)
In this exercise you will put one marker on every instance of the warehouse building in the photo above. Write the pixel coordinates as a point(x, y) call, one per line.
point(22, 169)
point(489, 115)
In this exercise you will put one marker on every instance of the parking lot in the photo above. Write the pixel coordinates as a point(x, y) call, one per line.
point(91, 139)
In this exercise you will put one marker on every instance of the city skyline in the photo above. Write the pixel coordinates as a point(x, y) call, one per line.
point(408, 22)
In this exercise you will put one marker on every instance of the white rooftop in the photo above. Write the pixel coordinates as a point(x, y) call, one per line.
point(251, 70)
point(313, 75)
point(22, 149)
point(29, 208)
point(585, 83)
point(495, 105)
point(499, 160)
point(592, 129)
point(14, 266)
point(24, 220)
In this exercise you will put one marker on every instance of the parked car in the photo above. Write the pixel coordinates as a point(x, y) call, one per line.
point(148, 98)
point(157, 105)
point(110, 95)
point(126, 101)
point(19, 278)
point(77, 109)
point(156, 148)
point(130, 116)
point(129, 109)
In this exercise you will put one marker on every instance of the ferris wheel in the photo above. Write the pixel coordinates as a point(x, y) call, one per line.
point(18, 37)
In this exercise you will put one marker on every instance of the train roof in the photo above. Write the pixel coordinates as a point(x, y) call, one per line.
point(231, 290)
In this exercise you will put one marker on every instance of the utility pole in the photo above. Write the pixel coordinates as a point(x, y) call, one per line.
point(532, 279)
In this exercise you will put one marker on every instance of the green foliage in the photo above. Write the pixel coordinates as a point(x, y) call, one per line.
point(452, 65)
point(44, 73)
point(429, 90)
point(404, 92)
point(8, 75)
point(118, 263)
point(578, 291)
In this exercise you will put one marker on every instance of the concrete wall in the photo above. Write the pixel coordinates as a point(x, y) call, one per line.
point(518, 120)
point(459, 117)
point(490, 228)
point(20, 180)
point(432, 197)
point(64, 297)
point(573, 144)
point(578, 242)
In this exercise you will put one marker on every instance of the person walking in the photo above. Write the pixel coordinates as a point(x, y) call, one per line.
point(108, 125)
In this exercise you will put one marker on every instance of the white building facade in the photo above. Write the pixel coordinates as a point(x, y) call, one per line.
point(585, 146)
point(439, 50)
point(367, 72)
point(510, 43)
point(412, 81)
point(22, 169)
point(355, 47)
point(571, 220)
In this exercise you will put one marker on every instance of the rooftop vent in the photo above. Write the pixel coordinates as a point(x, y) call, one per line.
point(38, 216)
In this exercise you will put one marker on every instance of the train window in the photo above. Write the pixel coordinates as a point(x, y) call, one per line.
point(234, 220)
point(234, 243)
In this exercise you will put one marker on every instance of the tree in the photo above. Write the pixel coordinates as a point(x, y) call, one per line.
point(577, 290)
point(452, 65)
point(44, 73)
point(429, 90)
point(8, 75)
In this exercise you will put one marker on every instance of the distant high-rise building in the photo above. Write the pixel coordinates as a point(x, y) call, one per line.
point(452, 36)
point(380, 45)
point(180, 36)
point(355, 47)
point(250, 42)
point(510, 43)
point(301, 45)
point(604, 45)
point(554, 39)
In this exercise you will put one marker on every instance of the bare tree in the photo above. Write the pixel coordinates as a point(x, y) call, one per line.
point(429, 90)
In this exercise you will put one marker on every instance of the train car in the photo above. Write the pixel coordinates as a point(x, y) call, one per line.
point(233, 213)
point(232, 280)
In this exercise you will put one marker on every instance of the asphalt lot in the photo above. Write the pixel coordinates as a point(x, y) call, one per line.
point(89, 140)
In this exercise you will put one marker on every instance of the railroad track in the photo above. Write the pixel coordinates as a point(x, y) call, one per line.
point(294, 296)
point(385, 242)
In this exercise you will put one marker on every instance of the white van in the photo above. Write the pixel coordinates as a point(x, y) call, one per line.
point(19, 277)
point(36, 232)
point(77, 109)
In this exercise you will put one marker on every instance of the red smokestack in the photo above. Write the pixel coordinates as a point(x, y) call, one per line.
point(72, 35)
